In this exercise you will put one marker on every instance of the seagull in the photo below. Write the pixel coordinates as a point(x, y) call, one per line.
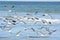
point(13, 6)
point(17, 34)
point(47, 15)
point(36, 12)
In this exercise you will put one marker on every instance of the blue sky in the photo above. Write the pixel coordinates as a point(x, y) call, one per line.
point(29, 0)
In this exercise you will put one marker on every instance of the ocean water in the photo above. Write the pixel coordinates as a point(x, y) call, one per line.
point(23, 8)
